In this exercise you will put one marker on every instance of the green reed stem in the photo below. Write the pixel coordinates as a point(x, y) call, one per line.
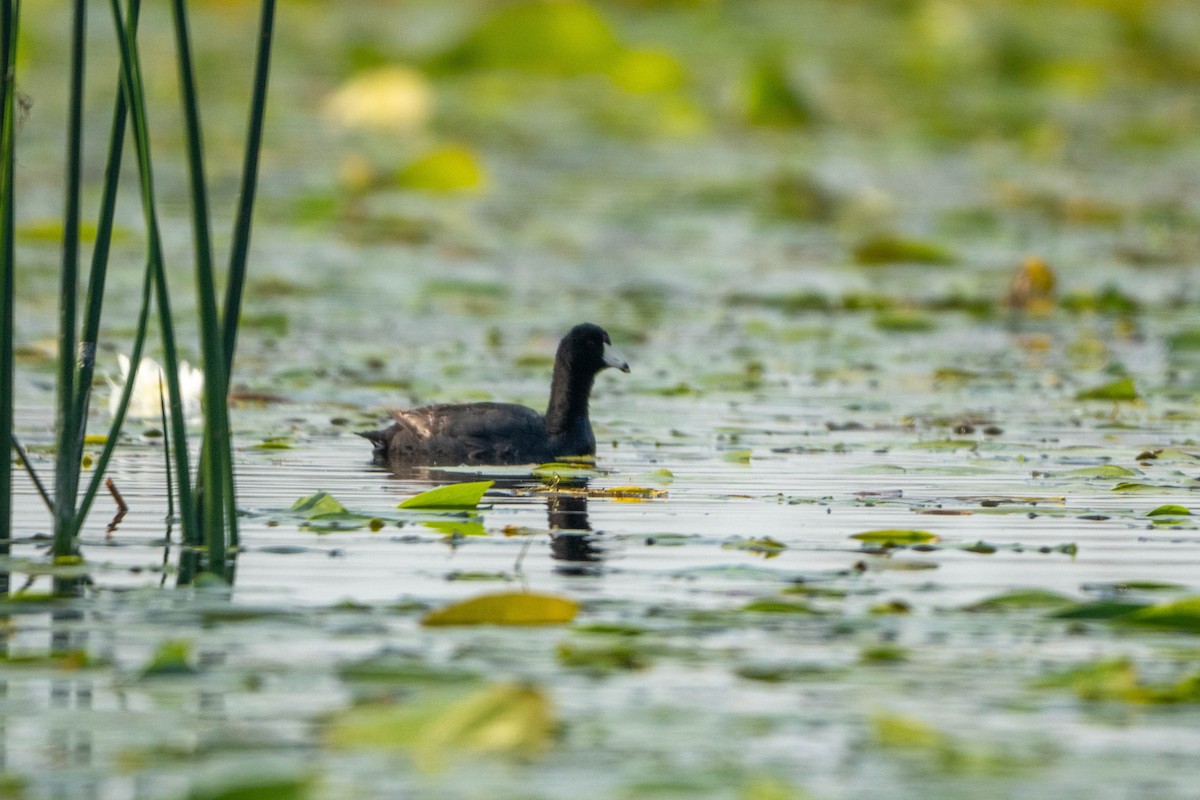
point(67, 466)
point(97, 278)
point(241, 231)
point(216, 463)
point(244, 219)
point(114, 431)
point(9, 12)
point(131, 78)
point(95, 293)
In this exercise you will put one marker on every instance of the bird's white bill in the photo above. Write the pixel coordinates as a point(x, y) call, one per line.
point(611, 359)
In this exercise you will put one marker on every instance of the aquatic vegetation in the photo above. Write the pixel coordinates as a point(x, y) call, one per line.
point(510, 608)
point(729, 639)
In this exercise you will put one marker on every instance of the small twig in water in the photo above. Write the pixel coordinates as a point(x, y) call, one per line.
point(521, 555)
point(37, 482)
point(122, 508)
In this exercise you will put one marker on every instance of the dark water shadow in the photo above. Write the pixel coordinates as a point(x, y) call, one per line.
point(579, 549)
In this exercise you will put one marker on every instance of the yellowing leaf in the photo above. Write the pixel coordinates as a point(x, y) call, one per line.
point(895, 536)
point(565, 469)
point(506, 608)
point(456, 495)
point(628, 492)
point(506, 719)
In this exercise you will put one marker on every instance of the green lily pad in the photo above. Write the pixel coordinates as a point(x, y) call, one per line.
point(1022, 599)
point(1104, 471)
point(892, 249)
point(1181, 615)
point(453, 496)
point(1120, 391)
point(318, 505)
point(1100, 609)
point(1169, 511)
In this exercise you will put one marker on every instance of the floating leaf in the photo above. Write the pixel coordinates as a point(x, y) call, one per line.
point(318, 505)
point(647, 71)
point(891, 249)
point(606, 656)
point(456, 527)
point(506, 608)
point(1118, 680)
point(396, 668)
point(1184, 340)
point(455, 495)
point(770, 98)
point(1120, 391)
point(259, 787)
point(565, 469)
point(1022, 599)
point(764, 545)
point(274, 443)
point(773, 606)
point(1181, 615)
point(1169, 511)
point(892, 730)
point(904, 321)
point(628, 493)
point(505, 719)
point(566, 37)
point(173, 657)
point(1100, 609)
point(1104, 471)
point(892, 536)
point(884, 654)
point(449, 169)
point(1137, 488)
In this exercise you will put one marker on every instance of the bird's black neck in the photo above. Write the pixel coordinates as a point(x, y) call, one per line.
point(569, 391)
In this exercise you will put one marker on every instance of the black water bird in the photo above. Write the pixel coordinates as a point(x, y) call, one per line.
point(507, 433)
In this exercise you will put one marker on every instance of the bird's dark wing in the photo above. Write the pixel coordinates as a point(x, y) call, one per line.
point(469, 433)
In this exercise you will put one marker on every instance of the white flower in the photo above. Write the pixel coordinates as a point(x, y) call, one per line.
point(150, 385)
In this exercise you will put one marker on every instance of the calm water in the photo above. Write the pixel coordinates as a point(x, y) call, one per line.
point(768, 425)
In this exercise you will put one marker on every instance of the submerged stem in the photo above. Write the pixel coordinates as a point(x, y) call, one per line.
point(216, 463)
point(67, 464)
point(9, 13)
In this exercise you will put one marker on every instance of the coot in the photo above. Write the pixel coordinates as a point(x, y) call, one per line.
point(507, 433)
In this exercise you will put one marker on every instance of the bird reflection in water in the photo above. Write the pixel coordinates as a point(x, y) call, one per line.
point(580, 550)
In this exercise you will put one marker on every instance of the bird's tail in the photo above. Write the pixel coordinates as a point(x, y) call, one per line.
point(376, 438)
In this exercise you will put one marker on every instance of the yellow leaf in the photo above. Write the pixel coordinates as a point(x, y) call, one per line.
point(505, 608)
point(628, 492)
point(505, 719)
point(895, 537)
